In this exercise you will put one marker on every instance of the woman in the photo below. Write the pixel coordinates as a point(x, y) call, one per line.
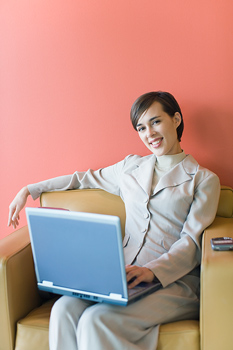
point(169, 201)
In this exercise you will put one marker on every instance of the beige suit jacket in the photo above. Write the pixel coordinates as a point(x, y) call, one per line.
point(163, 229)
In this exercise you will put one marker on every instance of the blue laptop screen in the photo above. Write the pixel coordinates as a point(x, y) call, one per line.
point(66, 250)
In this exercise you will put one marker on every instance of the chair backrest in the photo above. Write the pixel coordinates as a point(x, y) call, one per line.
point(225, 205)
point(102, 202)
point(87, 200)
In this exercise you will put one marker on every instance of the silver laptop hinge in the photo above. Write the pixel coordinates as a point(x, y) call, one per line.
point(115, 296)
point(47, 283)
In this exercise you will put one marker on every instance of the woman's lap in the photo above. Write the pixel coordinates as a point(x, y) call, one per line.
point(102, 323)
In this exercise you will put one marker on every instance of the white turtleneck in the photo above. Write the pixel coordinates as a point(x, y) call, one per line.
point(163, 165)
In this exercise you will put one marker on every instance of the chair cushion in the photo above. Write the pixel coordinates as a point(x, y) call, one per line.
point(32, 332)
point(181, 335)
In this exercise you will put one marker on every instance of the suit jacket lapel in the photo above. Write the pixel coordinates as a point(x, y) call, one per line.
point(144, 173)
point(180, 173)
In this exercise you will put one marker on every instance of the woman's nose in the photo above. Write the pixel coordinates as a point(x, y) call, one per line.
point(150, 132)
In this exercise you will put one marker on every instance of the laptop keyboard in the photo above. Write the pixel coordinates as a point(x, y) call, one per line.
point(138, 289)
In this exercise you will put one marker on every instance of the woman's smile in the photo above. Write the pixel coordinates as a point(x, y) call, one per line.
point(156, 142)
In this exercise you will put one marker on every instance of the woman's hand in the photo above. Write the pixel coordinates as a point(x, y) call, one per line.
point(16, 206)
point(137, 275)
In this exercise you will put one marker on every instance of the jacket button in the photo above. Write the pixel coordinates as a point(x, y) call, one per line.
point(146, 216)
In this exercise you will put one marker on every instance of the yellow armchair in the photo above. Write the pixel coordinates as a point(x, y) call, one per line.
point(24, 311)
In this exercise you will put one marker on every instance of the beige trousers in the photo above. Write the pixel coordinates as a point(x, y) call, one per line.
point(76, 324)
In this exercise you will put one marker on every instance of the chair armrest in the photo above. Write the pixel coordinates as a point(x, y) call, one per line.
point(18, 289)
point(216, 289)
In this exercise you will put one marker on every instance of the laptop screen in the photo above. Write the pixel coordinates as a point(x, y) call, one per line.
point(77, 250)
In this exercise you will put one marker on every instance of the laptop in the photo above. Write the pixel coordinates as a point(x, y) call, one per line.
point(81, 255)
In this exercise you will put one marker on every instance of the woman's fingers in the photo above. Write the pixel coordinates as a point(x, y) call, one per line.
point(13, 217)
point(137, 274)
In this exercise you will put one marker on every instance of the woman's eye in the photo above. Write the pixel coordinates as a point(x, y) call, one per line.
point(140, 129)
point(157, 121)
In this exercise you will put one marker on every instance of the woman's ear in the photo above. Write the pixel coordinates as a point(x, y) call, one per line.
point(177, 119)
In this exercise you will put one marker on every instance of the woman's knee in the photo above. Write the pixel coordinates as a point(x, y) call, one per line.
point(68, 308)
point(97, 316)
point(60, 307)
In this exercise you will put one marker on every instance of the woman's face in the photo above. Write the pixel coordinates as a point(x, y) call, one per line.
point(157, 130)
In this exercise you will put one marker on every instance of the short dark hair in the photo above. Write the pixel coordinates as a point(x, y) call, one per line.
point(168, 102)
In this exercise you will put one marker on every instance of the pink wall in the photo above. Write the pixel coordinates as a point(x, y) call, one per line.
point(70, 70)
